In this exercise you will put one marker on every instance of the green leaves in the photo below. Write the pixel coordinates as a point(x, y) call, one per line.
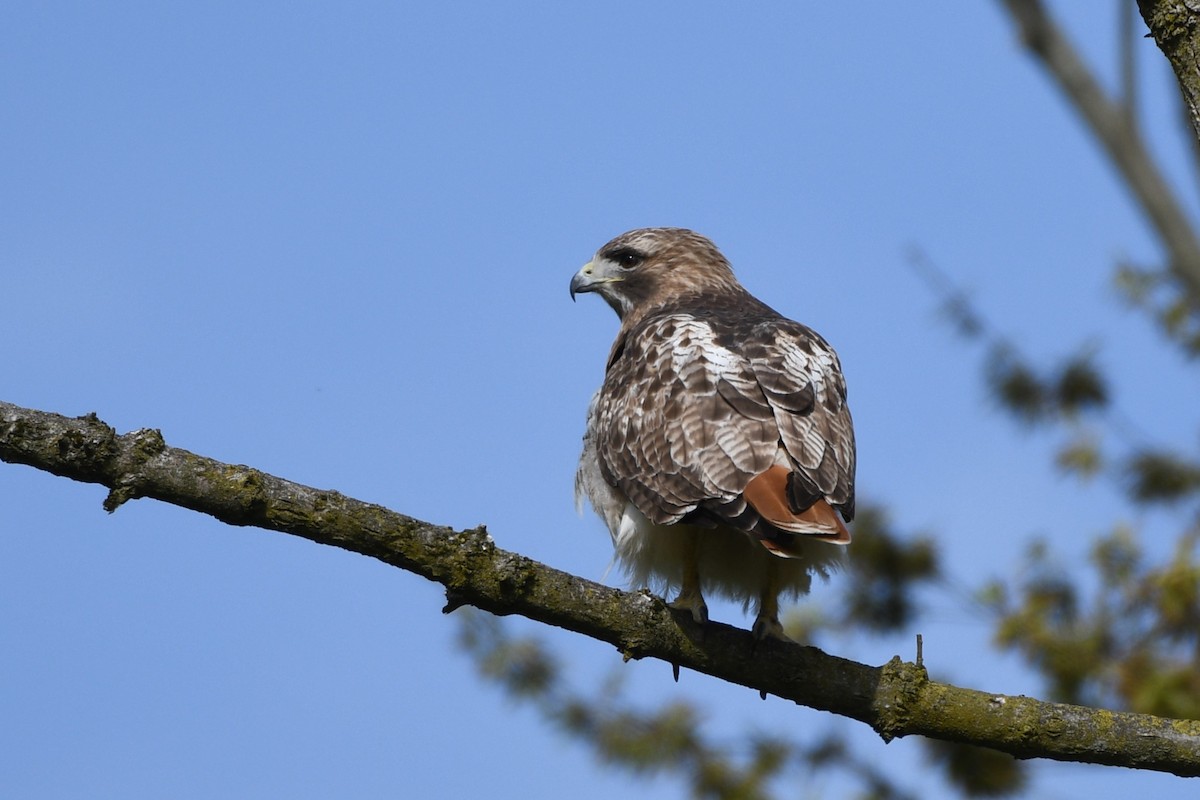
point(885, 573)
point(1168, 304)
point(665, 739)
point(1131, 643)
point(978, 771)
point(1161, 477)
point(1064, 392)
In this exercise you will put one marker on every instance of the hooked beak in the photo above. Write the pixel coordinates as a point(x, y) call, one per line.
point(599, 275)
point(585, 280)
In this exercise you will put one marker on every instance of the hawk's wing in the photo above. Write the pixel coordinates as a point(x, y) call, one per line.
point(695, 405)
point(802, 380)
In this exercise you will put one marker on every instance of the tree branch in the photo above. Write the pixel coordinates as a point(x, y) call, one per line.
point(896, 699)
point(1115, 128)
point(1175, 26)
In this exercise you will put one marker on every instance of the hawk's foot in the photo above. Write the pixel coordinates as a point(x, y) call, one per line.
point(692, 601)
point(769, 627)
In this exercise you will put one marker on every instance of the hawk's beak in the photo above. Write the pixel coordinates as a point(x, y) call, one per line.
point(585, 280)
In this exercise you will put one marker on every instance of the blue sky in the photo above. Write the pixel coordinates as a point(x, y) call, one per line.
point(333, 241)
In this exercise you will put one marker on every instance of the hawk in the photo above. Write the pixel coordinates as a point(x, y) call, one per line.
point(719, 450)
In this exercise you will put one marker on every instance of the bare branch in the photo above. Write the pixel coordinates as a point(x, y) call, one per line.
point(1175, 25)
point(896, 699)
point(1127, 60)
point(1114, 128)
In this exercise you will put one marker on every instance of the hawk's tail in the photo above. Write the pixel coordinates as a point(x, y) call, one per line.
point(767, 493)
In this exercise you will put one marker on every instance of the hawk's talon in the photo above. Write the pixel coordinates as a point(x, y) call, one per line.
point(693, 602)
point(769, 628)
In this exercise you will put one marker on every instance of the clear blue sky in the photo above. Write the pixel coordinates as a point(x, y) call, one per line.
point(333, 241)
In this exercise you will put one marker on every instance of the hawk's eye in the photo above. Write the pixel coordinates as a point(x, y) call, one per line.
point(627, 258)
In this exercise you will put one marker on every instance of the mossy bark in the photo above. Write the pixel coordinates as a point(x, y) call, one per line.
point(1175, 26)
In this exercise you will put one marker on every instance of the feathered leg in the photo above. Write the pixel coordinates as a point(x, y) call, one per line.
point(766, 624)
point(690, 598)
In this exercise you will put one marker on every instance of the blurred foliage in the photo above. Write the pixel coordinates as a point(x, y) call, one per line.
point(1132, 643)
point(1081, 456)
point(1156, 476)
point(1156, 292)
point(980, 772)
point(1118, 632)
point(1062, 393)
point(884, 575)
point(880, 593)
point(667, 740)
point(1061, 396)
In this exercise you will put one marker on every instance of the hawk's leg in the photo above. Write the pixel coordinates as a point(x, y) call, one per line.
point(690, 597)
point(766, 624)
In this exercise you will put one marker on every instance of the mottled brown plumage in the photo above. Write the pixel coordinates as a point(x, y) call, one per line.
point(720, 437)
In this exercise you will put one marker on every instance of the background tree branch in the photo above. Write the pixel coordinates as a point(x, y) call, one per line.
point(896, 699)
point(1115, 127)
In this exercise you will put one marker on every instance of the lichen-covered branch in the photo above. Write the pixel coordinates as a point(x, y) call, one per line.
point(1116, 129)
point(896, 699)
point(1175, 25)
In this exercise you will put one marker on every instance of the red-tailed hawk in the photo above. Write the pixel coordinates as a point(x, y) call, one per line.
point(719, 450)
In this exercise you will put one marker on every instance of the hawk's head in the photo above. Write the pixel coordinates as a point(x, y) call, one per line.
point(650, 266)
